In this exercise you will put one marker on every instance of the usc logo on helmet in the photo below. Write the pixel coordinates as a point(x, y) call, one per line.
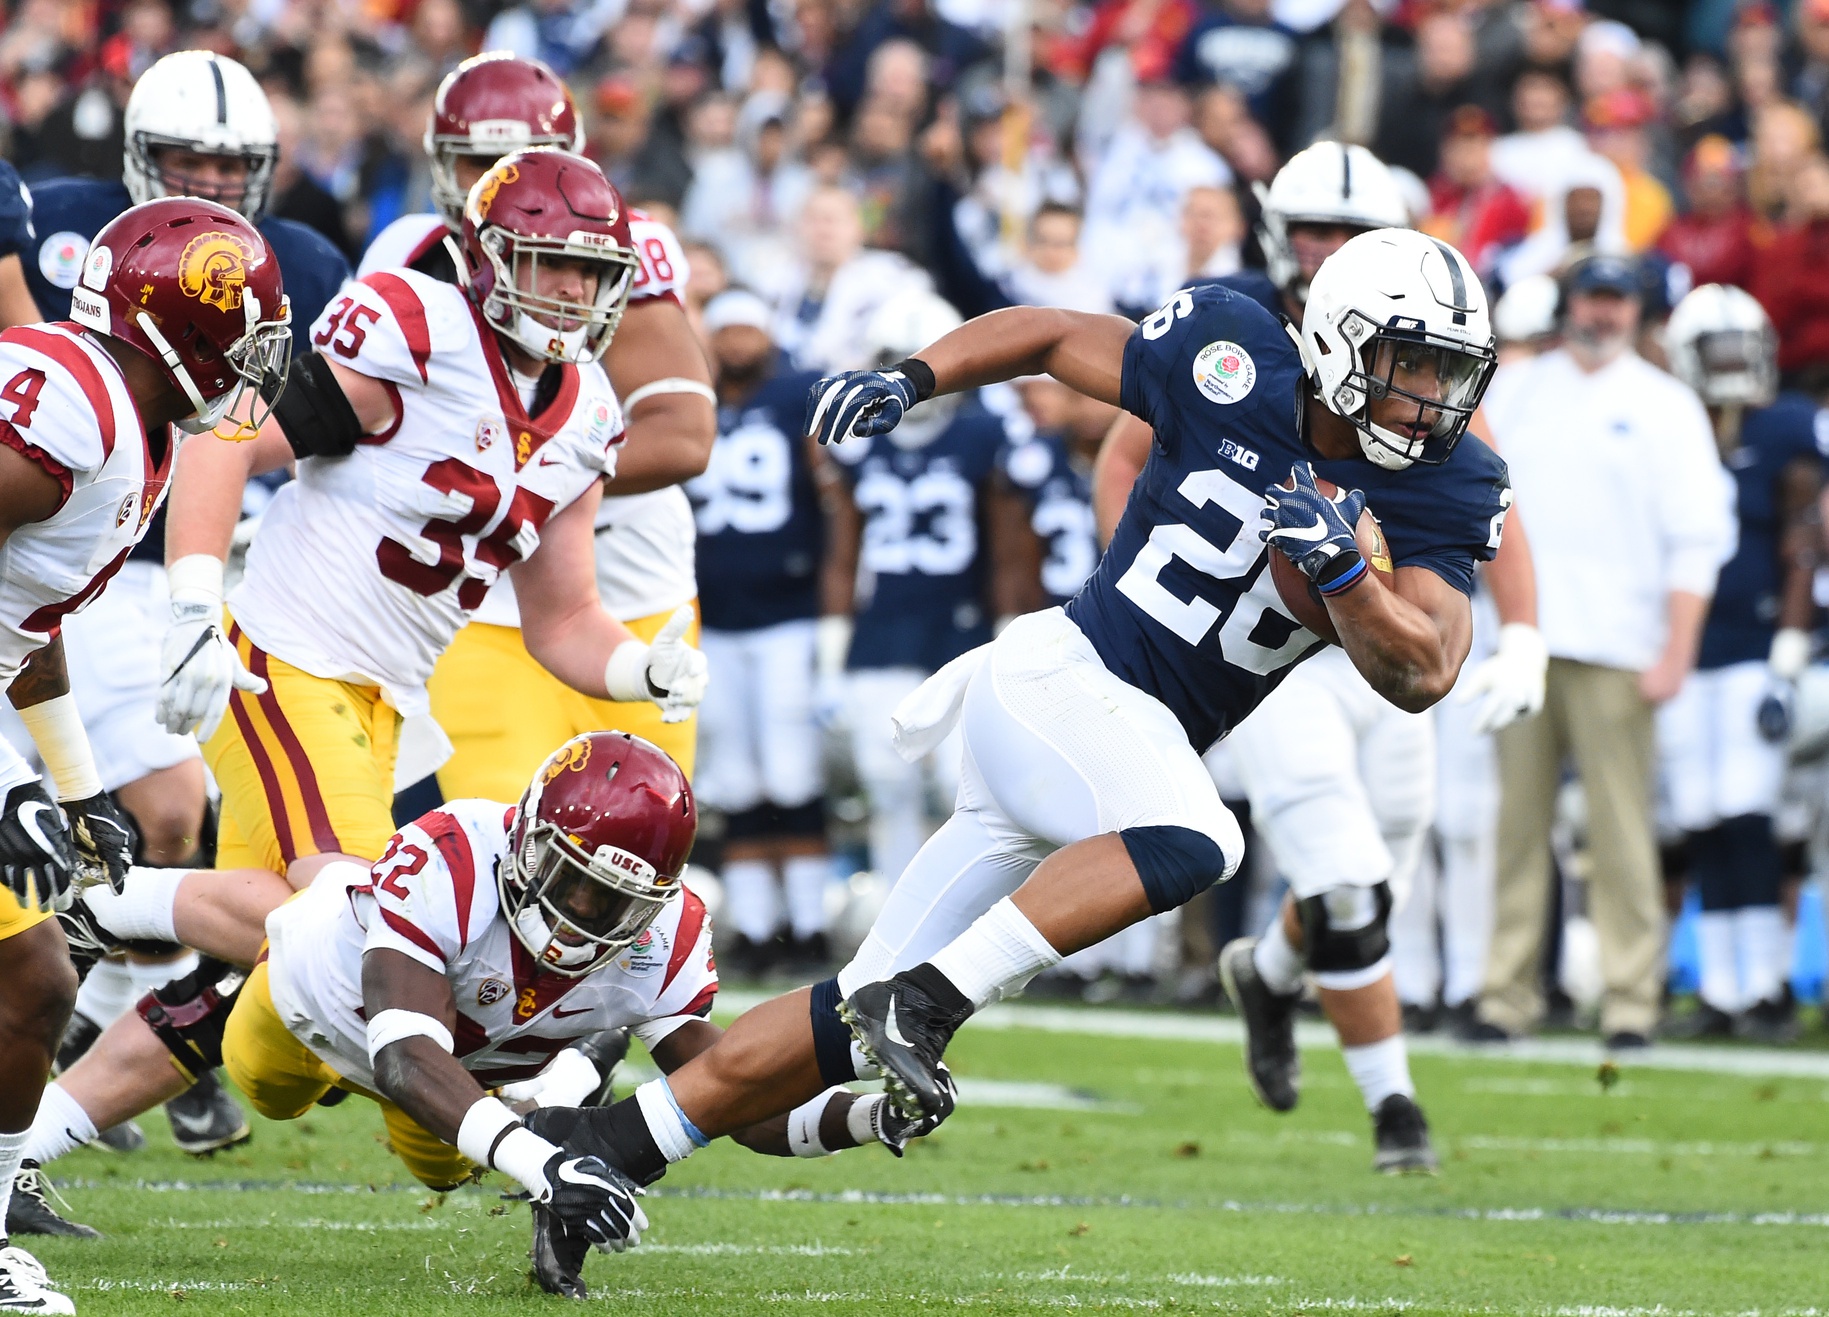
point(573, 755)
point(213, 269)
point(492, 183)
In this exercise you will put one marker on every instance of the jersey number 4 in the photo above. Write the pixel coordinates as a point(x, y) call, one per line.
point(1241, 558)
point(527, 512)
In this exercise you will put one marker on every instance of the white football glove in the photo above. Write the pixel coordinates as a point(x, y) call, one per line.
point(567, 1081)
point(1509, 685)
point(198, 667)
point(670, 666)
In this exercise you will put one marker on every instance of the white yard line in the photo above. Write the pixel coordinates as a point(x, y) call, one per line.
point(1168, 1026)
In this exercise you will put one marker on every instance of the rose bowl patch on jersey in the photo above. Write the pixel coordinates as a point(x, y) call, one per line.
point(1224, 371)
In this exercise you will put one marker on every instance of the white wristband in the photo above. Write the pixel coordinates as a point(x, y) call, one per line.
point(672, 384)
point(625, 676)
point(57, 731)
point(196, 577)
point(1790, 653)
point(390, 1026)
point(481, 1126)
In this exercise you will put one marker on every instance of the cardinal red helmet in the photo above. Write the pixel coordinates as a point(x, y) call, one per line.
point(196, 288)
point(487, 106)
point(551, 204)
point(597, 846)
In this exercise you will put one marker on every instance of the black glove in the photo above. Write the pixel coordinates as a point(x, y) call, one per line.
point(558, 1255)
point(104, 835)
point(595, 1200)
point(38, 861)
point(894, 1130)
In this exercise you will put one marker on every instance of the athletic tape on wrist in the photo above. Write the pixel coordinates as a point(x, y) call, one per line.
point(483, 1125)
point(196, 574)
point(57, 730)
point(390, 1026)
point(625, 676)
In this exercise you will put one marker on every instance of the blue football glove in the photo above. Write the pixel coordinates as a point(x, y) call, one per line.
point(858, 404)
point(1316, 532)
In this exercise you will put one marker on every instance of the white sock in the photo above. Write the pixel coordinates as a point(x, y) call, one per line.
point(143, 908)
point(1279, 965)
point(805, 877)
point(60, 1125)
point(106, 993)
point(751, 903)
point(150, 975)
point(1720, 985)
point(1380, 1069)
point(12, 1149)
point(677, 1137)
point(996, 956)
point(1763, 941)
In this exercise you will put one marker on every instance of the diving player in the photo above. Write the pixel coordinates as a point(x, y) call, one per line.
point(1084, 805)
point(179, 311)
point(1722, 738)
point(760, 543)
point(442, 436)
point(486, 940)
point(487, 106)
point(916, 572)
point(197, 124)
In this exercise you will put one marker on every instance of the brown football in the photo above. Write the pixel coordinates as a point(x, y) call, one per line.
point(1299, 594)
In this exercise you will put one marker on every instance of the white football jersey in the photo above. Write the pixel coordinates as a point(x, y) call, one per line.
point(66, 406)
point(365, 566)
point(433, 898)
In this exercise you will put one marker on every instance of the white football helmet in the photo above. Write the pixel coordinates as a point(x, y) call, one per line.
point(899, 328)
point(1328, 183)
point(1396, 302)
point(1722, 345)
point(199, 101)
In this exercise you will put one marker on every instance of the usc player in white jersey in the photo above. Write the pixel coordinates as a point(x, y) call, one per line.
point(443, 436)
point(177, 310)
point(486, 941)
point(489, 104)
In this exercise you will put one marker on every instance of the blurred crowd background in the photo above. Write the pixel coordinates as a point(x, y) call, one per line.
point(830, 154)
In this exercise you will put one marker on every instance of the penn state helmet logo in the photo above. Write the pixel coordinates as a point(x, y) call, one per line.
point(214, 268)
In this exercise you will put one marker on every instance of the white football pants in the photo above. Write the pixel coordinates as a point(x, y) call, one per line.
point(898, 789)
point(758, 741)
point(1715, 764)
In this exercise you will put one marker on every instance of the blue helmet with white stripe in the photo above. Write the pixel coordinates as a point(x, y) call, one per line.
point(1397, 340)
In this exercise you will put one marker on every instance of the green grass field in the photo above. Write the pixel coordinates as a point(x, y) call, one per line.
point(1083, 1172)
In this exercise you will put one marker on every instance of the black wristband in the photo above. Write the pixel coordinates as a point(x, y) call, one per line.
point(1346, 570)
point(496, 1142)
point(919, 374)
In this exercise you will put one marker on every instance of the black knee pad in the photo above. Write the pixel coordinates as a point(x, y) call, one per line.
point(1328, 947)
point(800, 821)
point(831, 1035)
point(1753, 860)
point(1176, 864)
point(748, 824)
point(190, 1014)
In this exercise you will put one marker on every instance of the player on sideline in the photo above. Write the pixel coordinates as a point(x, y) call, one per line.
point(179, 310)
point(486, 940)
point(197, 124)
point(442, 436)
point(1722, 738)
point(500, 708)
point(1084, 805)
point(1341, 782)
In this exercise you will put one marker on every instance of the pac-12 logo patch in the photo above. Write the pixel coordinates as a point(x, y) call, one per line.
point(490, 991)
point(1224, 371)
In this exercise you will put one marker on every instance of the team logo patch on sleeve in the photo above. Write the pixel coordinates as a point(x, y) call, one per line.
point(1224, 372)
point(213, 269)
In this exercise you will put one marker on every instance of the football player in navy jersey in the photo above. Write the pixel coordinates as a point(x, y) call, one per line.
point(761, 541)
point(917, 570)
point(17, 306)
point(1053, 473)
point(197, 124)
point(1722, 737)
point(1084, 805)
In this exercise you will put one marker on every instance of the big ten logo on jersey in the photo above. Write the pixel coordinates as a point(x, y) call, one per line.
point(919, 515)
point(748, 485)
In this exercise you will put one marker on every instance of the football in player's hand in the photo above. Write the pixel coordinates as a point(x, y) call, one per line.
point(1301, 599)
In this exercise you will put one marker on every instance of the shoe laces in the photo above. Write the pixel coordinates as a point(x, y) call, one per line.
point(23, 1266)
point(30, 1182)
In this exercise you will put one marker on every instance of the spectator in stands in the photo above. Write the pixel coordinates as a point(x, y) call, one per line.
point(951, 49)
point(1784, 135)
point(1147, 32)
point(834, 286)
point(1589, 208)
point(1421, 92)
point(1211, 240)
point(1468, 205)
point(1054, 274)
point(1538, 153)
point(1809, 82)
point(1239, 44)
point(1224, 123)
point(749, 205)
point(1714, 234)
point(1791, 279)
point(1616, 129)
point(1630, 521)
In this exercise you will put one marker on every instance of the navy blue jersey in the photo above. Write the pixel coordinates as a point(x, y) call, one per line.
point(69, 212)
point(1181, 605)
point(761, 536)
point(1060, 511)
point(921, 560)
point(1744, 613)
point(15, 213)
point(1254, 284)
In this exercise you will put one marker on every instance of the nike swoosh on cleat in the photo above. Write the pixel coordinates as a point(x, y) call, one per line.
point(193, 1124)
point(890, 1031)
